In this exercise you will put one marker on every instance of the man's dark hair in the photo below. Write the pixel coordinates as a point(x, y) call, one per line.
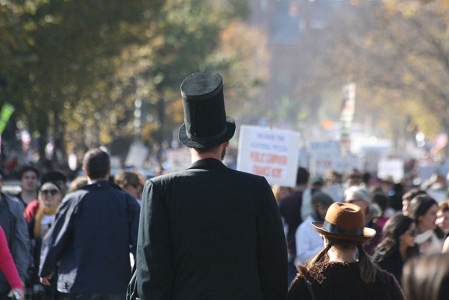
point(2, 173)
point(27, 169)
point(97, 163)
point(53, 176)
point(206, 150)
point(302, 176)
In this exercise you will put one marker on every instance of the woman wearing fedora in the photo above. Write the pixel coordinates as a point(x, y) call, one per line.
point(343, 270)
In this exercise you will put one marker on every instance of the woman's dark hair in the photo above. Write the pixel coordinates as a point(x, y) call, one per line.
point(396, 226)
point(382, 200)
point(420, 205)
point(427, 277)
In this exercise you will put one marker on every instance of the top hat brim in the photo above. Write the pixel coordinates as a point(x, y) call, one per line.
point(230, 130)
point(368, 233)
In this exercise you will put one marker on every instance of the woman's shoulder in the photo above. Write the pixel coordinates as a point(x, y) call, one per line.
point(386, 278)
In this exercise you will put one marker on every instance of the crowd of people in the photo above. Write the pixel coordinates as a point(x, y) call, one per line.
point(26, 217)
point(408, 225)
point(212, 232)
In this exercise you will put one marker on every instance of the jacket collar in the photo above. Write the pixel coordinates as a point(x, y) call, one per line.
point(100, 184)
point(206, 163)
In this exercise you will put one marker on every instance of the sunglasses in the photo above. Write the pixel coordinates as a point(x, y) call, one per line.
point(51, 192)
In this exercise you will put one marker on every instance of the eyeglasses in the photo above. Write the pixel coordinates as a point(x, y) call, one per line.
point(52, 192)
point(412, 232)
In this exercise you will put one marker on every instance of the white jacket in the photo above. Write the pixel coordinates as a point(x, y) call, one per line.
point(308, 241)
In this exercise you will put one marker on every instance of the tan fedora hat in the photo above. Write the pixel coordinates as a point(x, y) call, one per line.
point(345, 221)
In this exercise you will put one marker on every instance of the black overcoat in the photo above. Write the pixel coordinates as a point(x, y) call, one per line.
point(210, 232)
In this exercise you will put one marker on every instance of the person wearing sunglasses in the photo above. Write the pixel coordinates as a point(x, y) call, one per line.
point(49, 197)
point(397, 245)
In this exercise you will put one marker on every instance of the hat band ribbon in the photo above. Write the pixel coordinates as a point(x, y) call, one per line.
point(206, 139)
point(332, 228)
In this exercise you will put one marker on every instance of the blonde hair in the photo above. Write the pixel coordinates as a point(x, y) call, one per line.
point(44, 210)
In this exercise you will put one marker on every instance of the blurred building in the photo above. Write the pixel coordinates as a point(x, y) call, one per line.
point(286, 22)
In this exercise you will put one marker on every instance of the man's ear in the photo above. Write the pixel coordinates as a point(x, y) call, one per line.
point(226, 144)
point(85, 172)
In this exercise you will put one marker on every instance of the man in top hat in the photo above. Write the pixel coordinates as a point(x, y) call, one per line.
point(209, 232)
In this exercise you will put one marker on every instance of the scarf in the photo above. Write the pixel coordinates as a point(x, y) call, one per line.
point(41, 212)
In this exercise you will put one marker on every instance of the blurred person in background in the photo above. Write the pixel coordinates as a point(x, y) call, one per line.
point(308, 241)
point(354, 178)
point(29, 181)
point(383, 202)
point(16, 232)
point(290, 208)
point(407, 198)
point(333, 185)
point(396, 196)
point(397, 245)
point(424, 211)
point(129, 181)
point(57, 177)
point(443, 217)
point(280, 191)
point(427, 277)
point(49, 198)
point(360, 196)
point(8, 268)
point(92, 236)
point(77, 183)
point(343, 270)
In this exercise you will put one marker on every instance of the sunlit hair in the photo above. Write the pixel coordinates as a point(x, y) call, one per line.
point(426, 277)
point(124, 178)
point(77, 183)
point(368, 270)
point(443, 206)
point(412, 193)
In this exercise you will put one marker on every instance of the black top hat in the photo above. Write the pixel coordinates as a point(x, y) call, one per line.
point(205, 122)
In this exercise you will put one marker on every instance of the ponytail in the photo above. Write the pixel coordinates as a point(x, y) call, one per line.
point(368, 270)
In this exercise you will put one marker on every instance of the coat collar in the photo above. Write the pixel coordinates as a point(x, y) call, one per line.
point(206, 163)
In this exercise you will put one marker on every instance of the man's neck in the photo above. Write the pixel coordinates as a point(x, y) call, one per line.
point(92, 180)
point(28, 196)
point(195, 156)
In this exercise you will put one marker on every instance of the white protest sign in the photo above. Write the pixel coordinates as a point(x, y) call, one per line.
point(137, 155)
point(324, 156)
point(269, 153)
point(178, 159)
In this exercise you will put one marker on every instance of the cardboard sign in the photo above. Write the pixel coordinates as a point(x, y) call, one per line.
point(269, 153)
